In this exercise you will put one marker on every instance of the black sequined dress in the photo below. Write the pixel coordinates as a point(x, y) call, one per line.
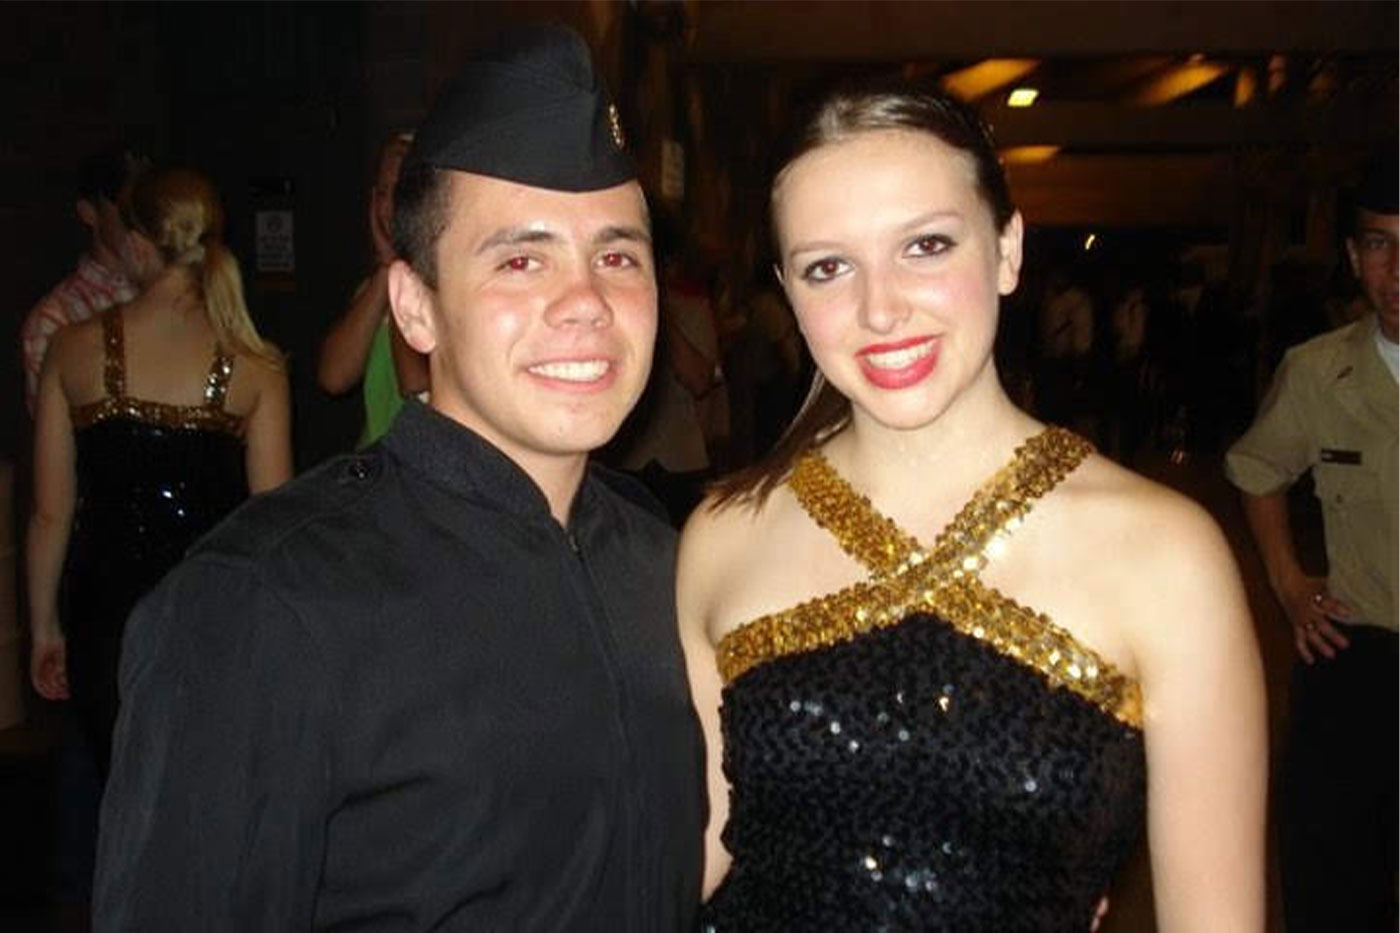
point(151, 479)
point(917, 752)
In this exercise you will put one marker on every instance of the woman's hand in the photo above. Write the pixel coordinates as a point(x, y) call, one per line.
point(48, 666)
point(380, 236)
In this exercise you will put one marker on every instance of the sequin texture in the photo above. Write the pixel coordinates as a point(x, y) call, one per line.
point(151, 479)
point(209, 416)
point(918, 752)
point(941, 580)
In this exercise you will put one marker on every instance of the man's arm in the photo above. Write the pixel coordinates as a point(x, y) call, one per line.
point(214, 816)
point(1309, 607)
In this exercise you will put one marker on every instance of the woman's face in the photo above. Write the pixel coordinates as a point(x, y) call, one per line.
point(894, 267)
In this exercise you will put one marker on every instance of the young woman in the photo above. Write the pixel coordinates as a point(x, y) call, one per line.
point(958, 652)
point(153, 421)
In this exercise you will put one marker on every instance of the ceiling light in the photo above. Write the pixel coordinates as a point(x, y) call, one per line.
point(1028, 155)
point(1022, 97)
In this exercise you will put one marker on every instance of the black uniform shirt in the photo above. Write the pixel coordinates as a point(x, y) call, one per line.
point(396, 694)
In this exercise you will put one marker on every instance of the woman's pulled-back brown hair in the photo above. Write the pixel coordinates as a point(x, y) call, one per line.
point(846, 113)
point(178, 210)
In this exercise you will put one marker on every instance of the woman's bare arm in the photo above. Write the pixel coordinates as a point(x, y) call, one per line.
point(268, 457)
point(1205, 728)
point(51, 522)
point(695, 578)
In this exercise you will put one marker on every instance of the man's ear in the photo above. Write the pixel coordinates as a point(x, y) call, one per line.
point(87, 213)
point(412, 304)
point(1354, 258)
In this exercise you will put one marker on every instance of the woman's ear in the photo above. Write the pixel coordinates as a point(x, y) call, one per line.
point(413, 305)
point(1009, 243)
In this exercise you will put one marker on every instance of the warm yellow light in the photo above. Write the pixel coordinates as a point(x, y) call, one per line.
point(1028, 155)
point(1177, 82)
point(987, 76)
point(1089, 241)
point(1022, 97)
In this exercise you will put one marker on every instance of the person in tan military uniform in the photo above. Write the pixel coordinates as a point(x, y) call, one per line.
point(1332, 409)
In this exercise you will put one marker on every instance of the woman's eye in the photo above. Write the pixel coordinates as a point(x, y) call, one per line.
point(823, 270)
point(930, 245)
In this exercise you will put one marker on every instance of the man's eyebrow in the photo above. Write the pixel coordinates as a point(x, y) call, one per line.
point(514, 236)
point(621, 232)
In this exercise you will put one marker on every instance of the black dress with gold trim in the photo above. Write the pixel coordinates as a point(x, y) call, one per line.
point(151, 479)
point(917, 751)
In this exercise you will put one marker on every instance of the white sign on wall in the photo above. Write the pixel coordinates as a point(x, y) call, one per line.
point(276, 247)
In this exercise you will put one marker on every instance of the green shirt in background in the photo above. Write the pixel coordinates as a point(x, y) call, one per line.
point(381, 387)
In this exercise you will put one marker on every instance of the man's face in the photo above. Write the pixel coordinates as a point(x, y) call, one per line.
point(109, 233)
point(541, 329)
point(1373, 250)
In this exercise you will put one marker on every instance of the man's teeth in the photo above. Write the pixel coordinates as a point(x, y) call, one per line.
point(572, 371)
point(898, 359)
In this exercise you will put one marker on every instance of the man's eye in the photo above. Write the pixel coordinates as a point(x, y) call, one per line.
point(617, 260)
point(518, 264)
point(823, 270)
point(1373, 244)
point(930, 245)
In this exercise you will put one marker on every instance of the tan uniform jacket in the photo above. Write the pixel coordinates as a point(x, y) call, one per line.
point(1333, 409)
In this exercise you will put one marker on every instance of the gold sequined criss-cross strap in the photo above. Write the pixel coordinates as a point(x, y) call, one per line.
point(941, 580)
point(208, 416)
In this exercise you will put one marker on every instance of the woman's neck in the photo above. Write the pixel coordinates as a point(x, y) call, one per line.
point(972, 438)
point(172, 290)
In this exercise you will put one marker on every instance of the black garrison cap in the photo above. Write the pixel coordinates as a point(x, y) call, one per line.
point(528, 108)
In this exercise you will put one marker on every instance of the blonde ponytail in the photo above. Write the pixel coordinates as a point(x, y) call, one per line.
point(222, 284)
point(179, 211)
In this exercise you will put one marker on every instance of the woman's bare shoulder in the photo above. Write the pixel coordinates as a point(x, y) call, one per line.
point(1137, 512)
point(721, 532)
point(724, 542)
point(76, 342)
point(1161, 550)
point(254, 378)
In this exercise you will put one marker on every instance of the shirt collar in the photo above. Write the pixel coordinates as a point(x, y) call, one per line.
point(95, 272)
point(1388, 352)
point(463, 462)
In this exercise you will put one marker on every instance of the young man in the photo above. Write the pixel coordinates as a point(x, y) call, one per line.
point(100, 280)
point(1333, 410)
point(437, 685)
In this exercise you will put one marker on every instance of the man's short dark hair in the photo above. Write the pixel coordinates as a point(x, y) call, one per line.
point(1379, 189)
point(105, 173)
point(422, 207)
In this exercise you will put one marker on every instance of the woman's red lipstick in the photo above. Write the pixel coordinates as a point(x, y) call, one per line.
point(899, 365)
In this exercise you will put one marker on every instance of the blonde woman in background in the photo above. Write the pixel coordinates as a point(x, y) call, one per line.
point(153, 421)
